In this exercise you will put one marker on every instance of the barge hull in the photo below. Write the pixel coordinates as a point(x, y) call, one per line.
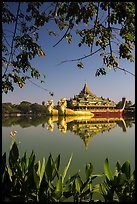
point(107, 114)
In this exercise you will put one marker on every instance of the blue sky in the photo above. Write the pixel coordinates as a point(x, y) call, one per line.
point(66, 80)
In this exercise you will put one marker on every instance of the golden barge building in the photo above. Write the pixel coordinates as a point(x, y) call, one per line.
point(86, 104)
point(99, 106)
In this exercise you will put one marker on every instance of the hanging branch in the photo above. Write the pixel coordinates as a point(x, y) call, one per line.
point(124, 70)
point(81, 58)
point(95, 24)
point(50, 92)
point(62, 37)
point(39, 86)
point(109, 29)
point(11, 52)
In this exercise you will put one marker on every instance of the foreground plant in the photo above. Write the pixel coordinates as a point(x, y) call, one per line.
point(24, 179)
point(119, 187)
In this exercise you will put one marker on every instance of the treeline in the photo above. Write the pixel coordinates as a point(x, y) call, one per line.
point(23, 108)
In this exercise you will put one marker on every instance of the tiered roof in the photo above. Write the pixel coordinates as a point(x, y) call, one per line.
point(86, 90)
point(87, 98)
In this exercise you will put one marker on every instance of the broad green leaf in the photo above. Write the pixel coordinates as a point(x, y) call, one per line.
point(77, 184)
point(118, 168)
point(49, 169)
point(89, 170)
point(57, 162)
point(103, 189)
point(121, 178)
point(126, 169)
point(66, 169)
point(38, 168)
point(13, 155)
point(19, 169)
point(55, 167)
point(42, 169)
point(31, 161)
point(51, 186)
point(90, 187)
point(10, 173)
point(24, 164)
point(133, 175)
point(107, 170)
point(59, 186)
point(96, 188)
point(36, 179)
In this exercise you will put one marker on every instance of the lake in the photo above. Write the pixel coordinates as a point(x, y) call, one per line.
point(87, 139)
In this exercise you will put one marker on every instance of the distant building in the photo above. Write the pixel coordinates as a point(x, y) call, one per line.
point(86, 100)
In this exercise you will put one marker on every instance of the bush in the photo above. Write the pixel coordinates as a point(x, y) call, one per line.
point(24, 179)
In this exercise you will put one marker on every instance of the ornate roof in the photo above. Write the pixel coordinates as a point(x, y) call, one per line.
point(86, 90)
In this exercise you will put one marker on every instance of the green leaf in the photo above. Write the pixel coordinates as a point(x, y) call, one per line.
point(121, 178)
point(13, 155)
point(118, 166)
point(108, 66)
point(66, 169)
point(96, 175)
point(103, 189)
point(19, 170)
point(51, 32)
point(36, 179)
point(42, 169)
point(38, 168)
point(80, 65)
point(31, 161)
point(77, 184)
point(89, 170)
point(126, 169)
point(133, 175)
point(107, 170)
point(55, 167)
point(59, 186)
point(49, 169)
point(24, 164)
point(10, 173)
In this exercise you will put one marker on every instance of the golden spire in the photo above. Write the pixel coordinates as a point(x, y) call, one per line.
point(86, 90)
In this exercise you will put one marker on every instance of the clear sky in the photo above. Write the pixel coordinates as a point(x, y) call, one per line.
point(66, 80)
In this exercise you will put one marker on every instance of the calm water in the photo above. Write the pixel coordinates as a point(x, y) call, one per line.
point(87, 139)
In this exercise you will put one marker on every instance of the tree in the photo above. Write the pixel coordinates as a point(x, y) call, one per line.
point(128, 104)
point(107, 28)
point(43, 103)
point(24, 107)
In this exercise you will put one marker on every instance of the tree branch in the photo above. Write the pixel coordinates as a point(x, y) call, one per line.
point(81, 58)
point(13, 39)
point(109, 29)
point(50, 92)
point(40, 86)
point(124, 70)
point(62, 37)
point(95, 24)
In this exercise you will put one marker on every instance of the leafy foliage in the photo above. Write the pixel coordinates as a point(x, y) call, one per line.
point(24, 179)
point(107, 28)
point(121, 186)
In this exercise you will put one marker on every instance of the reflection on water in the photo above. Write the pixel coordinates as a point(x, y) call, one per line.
point(88, 139)
point(85, 127)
